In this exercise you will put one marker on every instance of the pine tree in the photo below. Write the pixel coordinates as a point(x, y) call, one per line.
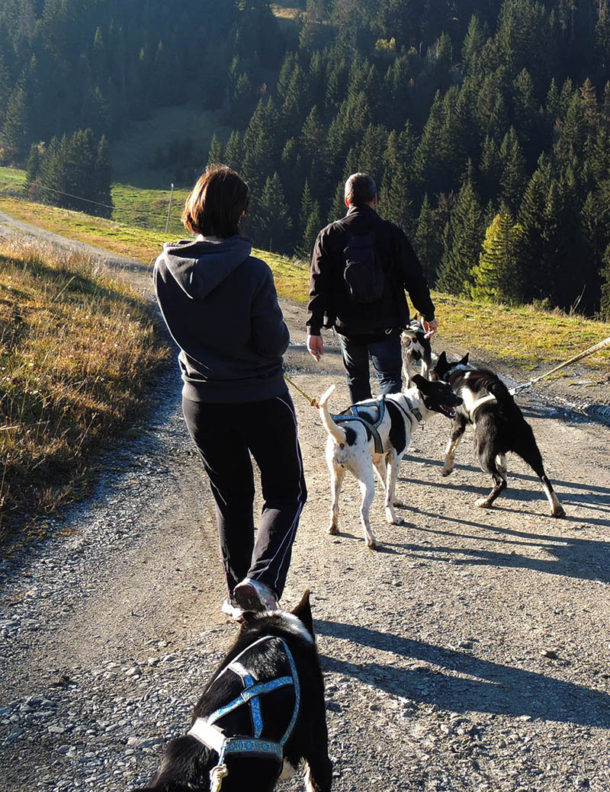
point(462, 242)
point(233, 151)
point(31, 186)
point(16, 129)
point(605, 288)
point(271, 223)
point(215, 152)
point(102, 181)
point(312, 228)
point(427, 240)
point(497, 276)
point(513, 179)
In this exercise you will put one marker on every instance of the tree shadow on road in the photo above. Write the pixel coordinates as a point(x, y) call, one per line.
point(460, 682)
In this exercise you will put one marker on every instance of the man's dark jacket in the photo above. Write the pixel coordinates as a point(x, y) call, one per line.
point(329, 303)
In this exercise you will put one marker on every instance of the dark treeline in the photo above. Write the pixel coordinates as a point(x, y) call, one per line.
point(485, 123)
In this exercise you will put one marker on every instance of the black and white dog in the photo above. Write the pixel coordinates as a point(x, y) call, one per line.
point(376, 437)
point(416, 350)
point(260, 715)
point(499, 427)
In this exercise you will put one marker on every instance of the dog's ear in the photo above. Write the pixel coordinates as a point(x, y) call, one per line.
point(464, 360)
point(421, 382)
point(442, 361)
point(303, 611)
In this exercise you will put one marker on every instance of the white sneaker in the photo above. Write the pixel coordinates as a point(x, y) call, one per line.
point(232, 609)
point(252, 595)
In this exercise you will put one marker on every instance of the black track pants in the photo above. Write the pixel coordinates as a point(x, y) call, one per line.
point(225, 435)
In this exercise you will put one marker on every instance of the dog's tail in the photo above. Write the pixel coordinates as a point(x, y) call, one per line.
point(335, 431)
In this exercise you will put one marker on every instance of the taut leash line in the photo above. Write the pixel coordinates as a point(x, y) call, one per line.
point(313, 402)
point(579, 356)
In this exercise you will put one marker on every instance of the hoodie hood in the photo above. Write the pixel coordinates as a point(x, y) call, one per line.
point(199, 266)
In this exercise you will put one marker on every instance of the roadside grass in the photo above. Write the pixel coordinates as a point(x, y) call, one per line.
point(78, 354)
point(522, 335)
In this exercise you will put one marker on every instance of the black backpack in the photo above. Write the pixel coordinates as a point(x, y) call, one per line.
point(363, 273)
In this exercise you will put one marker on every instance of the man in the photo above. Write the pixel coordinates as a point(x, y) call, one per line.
point(368, 314)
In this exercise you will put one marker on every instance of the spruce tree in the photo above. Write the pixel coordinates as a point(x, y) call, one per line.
point(312, 229)
point(103, 180)
point(462, 242)
point(605, 287)
point(497, 276)
point(215, 152)
point(428, 240)
point(513, 179)
point(271, 223)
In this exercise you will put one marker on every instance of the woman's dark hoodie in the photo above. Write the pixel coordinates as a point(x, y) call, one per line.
point(221, 308)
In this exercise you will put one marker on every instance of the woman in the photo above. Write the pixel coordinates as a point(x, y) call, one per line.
point(221, 307)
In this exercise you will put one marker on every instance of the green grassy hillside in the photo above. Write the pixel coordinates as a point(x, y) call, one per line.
point(497, 330)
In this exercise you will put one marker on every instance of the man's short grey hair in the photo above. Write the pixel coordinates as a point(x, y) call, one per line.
point(360, 189)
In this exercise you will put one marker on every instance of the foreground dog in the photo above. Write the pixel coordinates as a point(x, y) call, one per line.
point(416, 351)
point(377, 436)
point(262, 712)
point(499, 427)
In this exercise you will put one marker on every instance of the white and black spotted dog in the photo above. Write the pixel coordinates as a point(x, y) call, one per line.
point(261, 714)
point(416, 351)
point(377, 439)
point(499, 427)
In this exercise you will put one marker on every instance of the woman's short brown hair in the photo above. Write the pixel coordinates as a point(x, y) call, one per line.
point(216, 203)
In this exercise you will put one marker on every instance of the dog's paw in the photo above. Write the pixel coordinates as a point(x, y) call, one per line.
point(372, 544)
point(398, 503)
point(333, 529)
point(483, 503)
point(446, 471)
point(558, 511)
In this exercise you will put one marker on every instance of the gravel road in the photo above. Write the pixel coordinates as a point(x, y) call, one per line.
point(470, 653)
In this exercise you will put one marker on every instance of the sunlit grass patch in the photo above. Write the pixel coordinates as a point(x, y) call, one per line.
point(78, 352)
point(524, 335)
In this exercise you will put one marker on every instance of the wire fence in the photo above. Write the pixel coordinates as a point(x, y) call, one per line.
point(151, 219)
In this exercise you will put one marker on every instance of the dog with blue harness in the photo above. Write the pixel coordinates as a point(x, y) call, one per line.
point(261, 714)
point(374, 437)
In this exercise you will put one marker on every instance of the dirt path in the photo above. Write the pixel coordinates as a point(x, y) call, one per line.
point(470, 653)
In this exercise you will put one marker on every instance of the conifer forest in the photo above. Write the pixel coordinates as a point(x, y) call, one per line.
point(485, 123)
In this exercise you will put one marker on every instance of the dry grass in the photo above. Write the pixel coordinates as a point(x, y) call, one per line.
point(78, 352)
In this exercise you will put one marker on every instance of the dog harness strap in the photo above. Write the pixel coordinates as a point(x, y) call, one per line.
point(412, 409)
point(213, 737)
point(371, 425)
point(297, 693)
point(255, 708)
point(249, 694)
point(479, 403)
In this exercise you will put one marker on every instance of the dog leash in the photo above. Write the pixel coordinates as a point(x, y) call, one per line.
point(313, 402)
point(579, 356)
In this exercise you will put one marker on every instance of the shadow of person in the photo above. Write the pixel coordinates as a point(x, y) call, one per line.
point(460, 682)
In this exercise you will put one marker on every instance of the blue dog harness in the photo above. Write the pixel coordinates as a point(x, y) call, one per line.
point(204, 730)
point(371, 425)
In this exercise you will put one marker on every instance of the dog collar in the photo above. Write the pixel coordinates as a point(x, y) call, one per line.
point(204, 730)
point(413, 410)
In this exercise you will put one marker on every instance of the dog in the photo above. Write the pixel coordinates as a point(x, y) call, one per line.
point(261, 714)
point(376, 437)
point(499, 427)
point(415, 348)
